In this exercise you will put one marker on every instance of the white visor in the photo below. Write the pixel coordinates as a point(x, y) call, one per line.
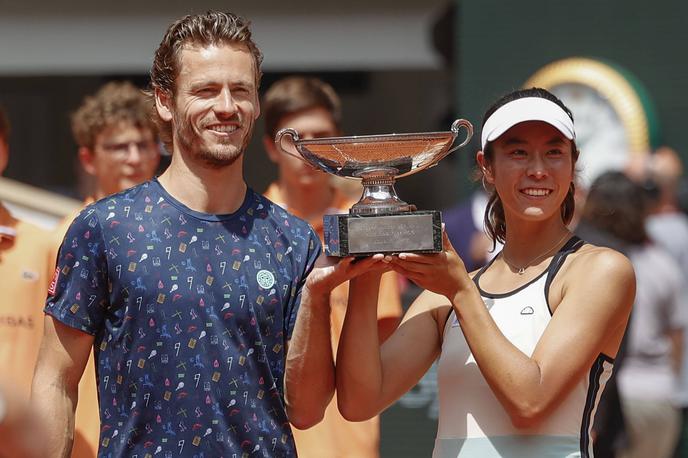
point(527, 109)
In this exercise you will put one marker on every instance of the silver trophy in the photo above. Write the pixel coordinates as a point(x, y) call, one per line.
point(380, 222)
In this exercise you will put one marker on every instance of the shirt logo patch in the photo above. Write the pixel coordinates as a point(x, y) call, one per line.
point(527, 310)
point(455, 322)
point(53, 282)
point(265, 279)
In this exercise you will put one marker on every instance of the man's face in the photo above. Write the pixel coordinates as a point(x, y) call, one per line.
point(216, 103)
point(123, 156)
point(310, 123)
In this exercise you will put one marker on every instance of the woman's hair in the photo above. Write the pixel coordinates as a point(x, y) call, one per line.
point(617, 206)
point(495, 222)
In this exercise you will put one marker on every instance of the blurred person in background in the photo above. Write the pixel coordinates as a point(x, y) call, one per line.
point(647, 380)
point(118, 148)
point(609, 429)
point(313, 109)
point(117, 140)
point(25, 271)
point(466, 231)
point(21, 432)
point(661, 175)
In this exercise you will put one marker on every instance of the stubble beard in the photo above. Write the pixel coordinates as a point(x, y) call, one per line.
point(218, 156)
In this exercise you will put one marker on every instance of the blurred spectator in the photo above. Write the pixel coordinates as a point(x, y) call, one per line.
point(648, 377)
point(20, 427)
point(312, 108)
point(24, 274)
point(667, 225)
point(609, 426)
point(118, 147)
point(465, 228)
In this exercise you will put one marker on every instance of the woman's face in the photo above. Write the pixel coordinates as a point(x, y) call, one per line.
point(531, 169)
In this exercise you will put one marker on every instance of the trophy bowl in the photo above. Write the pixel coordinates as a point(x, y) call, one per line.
point(380, 222)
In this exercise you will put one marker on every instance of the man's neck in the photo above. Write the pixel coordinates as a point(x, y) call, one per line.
point(308, 202)
point(205, 189)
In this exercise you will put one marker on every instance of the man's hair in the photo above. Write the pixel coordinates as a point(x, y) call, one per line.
point(5, 127)
point(211, 28)
point(294, 94)
point(115, 102)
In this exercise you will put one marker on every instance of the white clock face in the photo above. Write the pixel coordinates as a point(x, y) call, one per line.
point(600, 135)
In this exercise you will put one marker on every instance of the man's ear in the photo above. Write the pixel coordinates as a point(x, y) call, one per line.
point(257, 108)
point(163, 104)
point(271, 149)
point(87, 158)
point(485, 167)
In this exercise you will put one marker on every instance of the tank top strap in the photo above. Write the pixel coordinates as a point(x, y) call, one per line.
point(482, 270)
point(571, 246)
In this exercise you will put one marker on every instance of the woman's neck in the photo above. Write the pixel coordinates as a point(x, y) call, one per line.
point(526, 240)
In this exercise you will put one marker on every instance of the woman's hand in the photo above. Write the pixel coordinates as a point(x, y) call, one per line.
point(442, 273)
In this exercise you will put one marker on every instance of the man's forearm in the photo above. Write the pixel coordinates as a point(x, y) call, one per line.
point(309, 378)
point(53, 400)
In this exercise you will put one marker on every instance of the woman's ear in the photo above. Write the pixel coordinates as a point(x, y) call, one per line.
point(485, 167)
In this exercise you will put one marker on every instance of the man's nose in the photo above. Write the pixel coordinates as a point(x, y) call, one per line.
point(226, 103)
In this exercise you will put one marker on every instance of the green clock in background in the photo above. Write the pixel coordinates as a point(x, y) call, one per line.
point(613, 115)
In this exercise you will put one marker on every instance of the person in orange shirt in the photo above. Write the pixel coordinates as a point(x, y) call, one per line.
point(24, 273)
point(313, 108)
point(118, 148)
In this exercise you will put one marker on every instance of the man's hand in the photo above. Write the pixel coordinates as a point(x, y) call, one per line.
point(330, 272)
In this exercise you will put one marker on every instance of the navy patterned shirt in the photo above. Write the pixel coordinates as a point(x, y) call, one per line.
point(191, 313)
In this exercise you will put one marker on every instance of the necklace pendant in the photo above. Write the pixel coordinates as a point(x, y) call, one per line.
point(521, 270)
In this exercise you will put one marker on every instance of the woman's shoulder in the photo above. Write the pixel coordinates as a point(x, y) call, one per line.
point(598, 262)
point(430, 304)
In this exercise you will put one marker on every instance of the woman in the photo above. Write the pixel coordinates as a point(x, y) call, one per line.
point(648, 379)
point(526, 344)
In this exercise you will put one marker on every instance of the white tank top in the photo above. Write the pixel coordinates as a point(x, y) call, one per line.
point(473, 423)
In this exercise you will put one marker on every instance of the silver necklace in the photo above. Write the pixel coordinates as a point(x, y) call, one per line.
point(521, 270)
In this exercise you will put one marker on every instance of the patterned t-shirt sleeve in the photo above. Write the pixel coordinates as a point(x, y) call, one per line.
point(78, 294)
point(313, 252)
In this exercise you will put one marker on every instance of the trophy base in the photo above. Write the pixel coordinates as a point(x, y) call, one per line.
point(364, 235)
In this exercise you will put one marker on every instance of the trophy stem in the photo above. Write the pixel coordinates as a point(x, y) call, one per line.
point(379, 196)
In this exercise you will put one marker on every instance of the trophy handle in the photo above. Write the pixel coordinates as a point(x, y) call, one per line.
point(456, 127)
point(294, 138)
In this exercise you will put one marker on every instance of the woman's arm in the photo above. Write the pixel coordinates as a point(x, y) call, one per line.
point(370, 377)
point(309, 376)
point(597, 295)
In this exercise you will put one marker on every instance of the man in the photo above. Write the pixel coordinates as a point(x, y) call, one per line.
point(312, 108)
point(118, 149)
point(188, 285)
point(117, 139)
point(24, 273)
